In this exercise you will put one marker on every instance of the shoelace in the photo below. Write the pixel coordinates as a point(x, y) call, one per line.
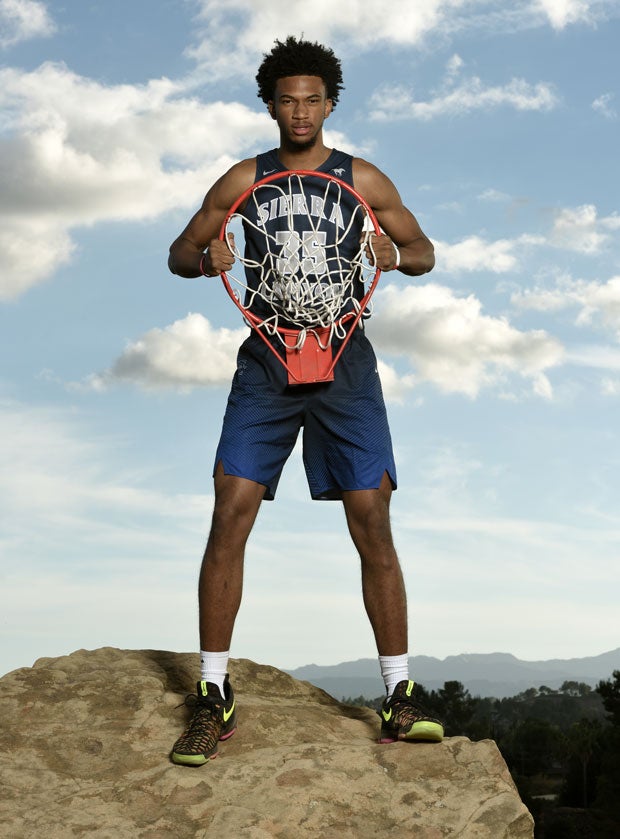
point(192, 700)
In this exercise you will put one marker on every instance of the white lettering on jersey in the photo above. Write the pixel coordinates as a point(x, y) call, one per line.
point(296, 205)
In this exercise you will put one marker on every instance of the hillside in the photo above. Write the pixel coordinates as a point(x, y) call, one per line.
point(493, 674)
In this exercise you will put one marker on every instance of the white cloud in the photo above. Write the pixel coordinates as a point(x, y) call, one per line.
point(494, 195)
point(453, 345)
point(579, 229)
point(456, 95)
point(250, 27)
point(600, 357)
point(71, 483)
point(448, 340)
point(610, 387)
point(477, 254)
point(604, 357)
point(595, 301)
point(561, 13)
point(189, 353)
point(21, 20)
point(542, 299)
point(91, 153)
point(390, 103)
point(354, 22)
point(602, 105)
point(21, 264)
point(454, 66)
point(394, 386)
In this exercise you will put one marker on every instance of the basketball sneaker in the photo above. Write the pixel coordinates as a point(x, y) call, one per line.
point(403, 719)
point(214, 719)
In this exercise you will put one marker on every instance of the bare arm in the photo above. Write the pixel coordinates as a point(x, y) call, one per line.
point(202, 231)
point(417, 254)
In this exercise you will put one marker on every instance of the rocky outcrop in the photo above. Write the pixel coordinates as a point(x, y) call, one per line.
point(85, 742)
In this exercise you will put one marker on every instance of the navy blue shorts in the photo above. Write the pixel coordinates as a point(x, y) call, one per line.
point(346, 437)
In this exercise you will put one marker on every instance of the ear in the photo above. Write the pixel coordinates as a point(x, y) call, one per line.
point(329, 107)
point(271, 108)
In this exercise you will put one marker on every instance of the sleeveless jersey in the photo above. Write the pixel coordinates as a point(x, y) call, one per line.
point(330, 222)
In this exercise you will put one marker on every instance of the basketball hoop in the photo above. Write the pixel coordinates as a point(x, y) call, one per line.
point(306, 282)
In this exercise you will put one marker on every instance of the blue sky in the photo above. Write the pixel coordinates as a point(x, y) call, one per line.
point(500, 128)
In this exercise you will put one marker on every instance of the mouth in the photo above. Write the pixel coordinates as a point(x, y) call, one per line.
point(302, 130)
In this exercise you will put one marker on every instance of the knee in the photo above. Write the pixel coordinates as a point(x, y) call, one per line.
point(233, 518)
point(372, 532)
point(231, 522)
point(380, 567)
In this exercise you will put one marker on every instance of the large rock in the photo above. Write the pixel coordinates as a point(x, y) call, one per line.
point(85, 744)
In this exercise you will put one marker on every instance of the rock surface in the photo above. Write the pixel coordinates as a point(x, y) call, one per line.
point(85, 739)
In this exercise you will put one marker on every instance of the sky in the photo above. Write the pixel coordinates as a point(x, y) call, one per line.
point(499, 124)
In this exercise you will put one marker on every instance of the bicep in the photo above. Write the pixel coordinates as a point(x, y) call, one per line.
point(205, 225)
point(394, 218)
point(202, 228)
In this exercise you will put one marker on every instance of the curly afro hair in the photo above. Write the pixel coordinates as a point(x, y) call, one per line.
point(299, 58)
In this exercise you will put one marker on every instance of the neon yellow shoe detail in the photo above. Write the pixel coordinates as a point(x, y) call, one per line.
point(403, 719)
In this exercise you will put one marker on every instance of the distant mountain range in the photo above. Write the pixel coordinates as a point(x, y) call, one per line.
point(493, 674)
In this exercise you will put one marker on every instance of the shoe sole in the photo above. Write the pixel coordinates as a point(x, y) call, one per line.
point(428, 732)
point(199, 760)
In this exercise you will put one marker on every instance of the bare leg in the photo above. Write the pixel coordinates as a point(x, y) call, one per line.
point(368, 518)
point(237, 501)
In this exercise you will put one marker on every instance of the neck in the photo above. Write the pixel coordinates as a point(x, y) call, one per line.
point(303, 157)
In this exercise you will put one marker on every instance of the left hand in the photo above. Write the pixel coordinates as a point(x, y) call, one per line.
point(385, 253)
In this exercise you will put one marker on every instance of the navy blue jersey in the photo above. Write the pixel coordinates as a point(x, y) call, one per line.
point(312, 236)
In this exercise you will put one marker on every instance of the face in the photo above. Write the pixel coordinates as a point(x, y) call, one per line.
point(300, 107)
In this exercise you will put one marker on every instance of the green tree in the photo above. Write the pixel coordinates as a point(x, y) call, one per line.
point(610, 691)
point(608, 796)
point(456, 707)
point(582, 745)
point(576, 688)
point(532, 747)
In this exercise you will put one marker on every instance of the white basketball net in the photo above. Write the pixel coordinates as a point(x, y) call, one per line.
point(307, 283)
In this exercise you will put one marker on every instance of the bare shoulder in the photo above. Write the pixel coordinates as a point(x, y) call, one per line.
point(231, 185)
point(206, 222)
point(373, 184)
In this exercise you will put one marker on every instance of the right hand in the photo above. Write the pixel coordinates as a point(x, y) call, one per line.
point(218, 257)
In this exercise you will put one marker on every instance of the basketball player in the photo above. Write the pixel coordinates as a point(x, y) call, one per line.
point(347, 446)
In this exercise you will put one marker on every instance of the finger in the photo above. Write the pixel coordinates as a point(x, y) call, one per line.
point(369, 250)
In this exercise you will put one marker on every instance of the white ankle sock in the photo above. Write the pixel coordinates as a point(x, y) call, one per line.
point(213, 668)
point(394, 668)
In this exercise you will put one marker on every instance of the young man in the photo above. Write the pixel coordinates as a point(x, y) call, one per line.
point(347, 457)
